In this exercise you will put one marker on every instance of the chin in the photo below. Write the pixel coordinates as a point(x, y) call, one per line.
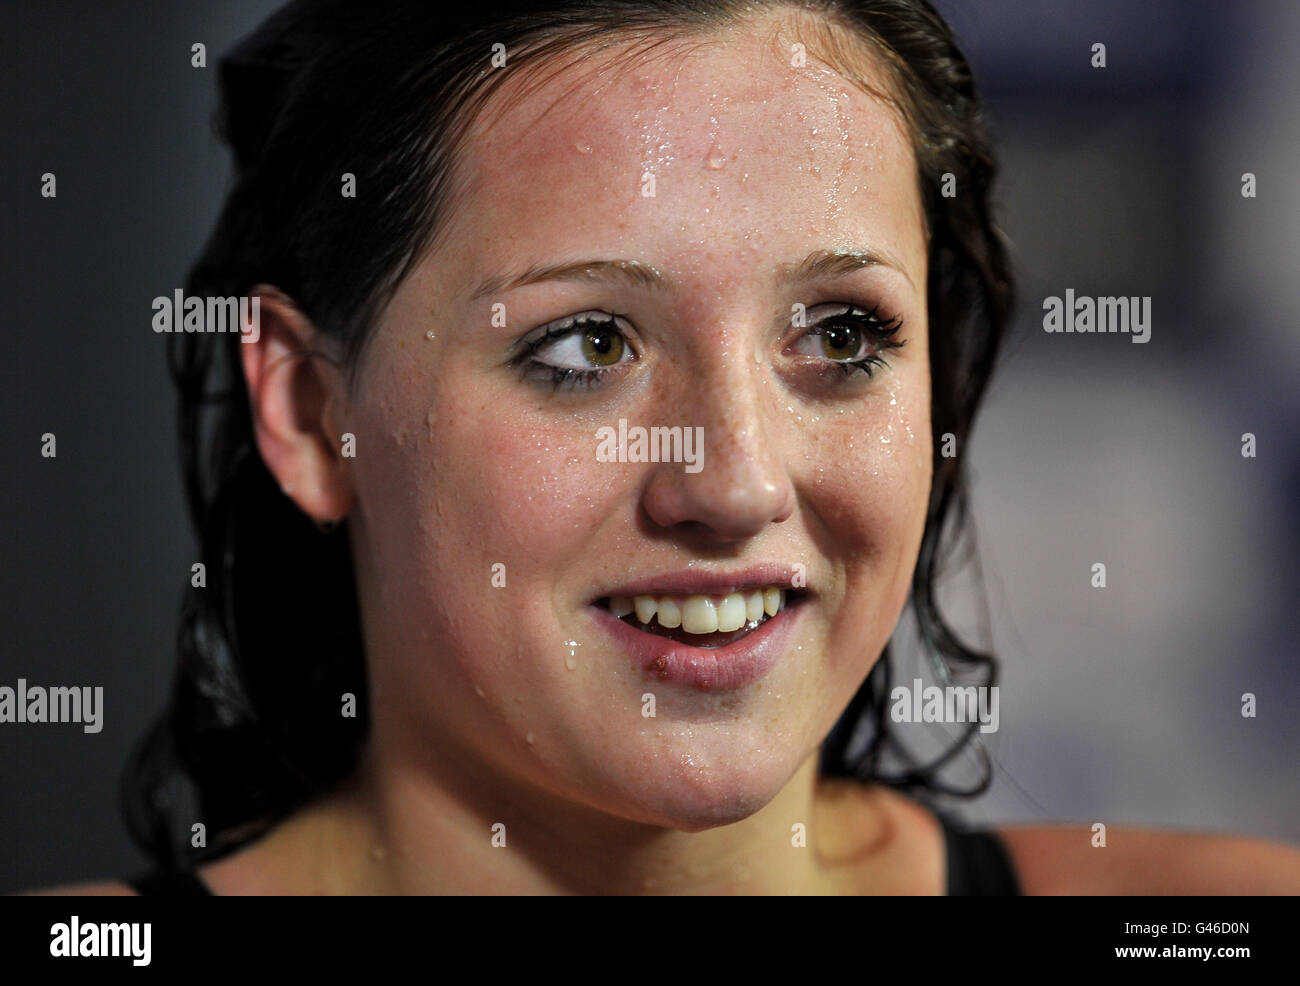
point(694, 796)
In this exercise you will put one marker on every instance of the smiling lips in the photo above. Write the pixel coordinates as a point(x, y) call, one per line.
point(699, 620)
point(706, 630)
point(702, 614)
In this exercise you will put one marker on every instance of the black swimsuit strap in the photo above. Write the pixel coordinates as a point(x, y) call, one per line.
point(169, 883)
point(978, 862)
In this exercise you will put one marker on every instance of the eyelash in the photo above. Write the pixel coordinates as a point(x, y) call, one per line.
point(880, 331)
point(564, 377)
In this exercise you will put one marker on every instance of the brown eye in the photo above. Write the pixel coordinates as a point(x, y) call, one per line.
point(580, 351)
point(841, 342)
point(602, 346)
point(852, 339)
point(836, 339)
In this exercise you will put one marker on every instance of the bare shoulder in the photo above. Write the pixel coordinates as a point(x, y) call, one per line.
point(90, 888)
point(1062, 859)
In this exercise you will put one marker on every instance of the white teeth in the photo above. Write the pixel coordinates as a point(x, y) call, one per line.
point(703, 614)
point(699, 615)
point(670, 614)
point(731, 613)
point(773, 600)
point(645, 608)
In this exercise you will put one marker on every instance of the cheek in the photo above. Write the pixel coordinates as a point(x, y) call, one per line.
point(459, 481)
point(899, 460)
point(526, 491)
point(873, 469)
point(872, 495)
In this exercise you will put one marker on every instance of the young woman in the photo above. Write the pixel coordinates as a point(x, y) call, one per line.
point(559, 511)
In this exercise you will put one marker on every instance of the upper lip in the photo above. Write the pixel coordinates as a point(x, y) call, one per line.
point(695, 581)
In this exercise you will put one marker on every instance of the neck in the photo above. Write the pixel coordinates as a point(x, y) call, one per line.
point(451, 827)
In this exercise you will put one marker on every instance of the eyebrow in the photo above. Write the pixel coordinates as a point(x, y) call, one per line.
point(818, 264)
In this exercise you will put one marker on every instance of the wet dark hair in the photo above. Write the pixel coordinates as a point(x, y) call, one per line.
point(385, 91)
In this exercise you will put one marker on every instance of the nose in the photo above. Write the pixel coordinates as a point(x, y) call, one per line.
point(742, 485)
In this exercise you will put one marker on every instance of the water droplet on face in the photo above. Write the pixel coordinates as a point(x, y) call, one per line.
point(430, 336)
point(582, 147)
point(715, 158)
point(571, 661)
point(530, 738)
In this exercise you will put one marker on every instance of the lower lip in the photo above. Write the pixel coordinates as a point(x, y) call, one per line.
point(717, 669)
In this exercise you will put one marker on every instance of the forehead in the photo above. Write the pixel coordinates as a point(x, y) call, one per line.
point(741, 148)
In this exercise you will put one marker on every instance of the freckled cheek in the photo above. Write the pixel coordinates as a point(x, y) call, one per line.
point(492, 487)
point(873, 477)
point(542, 488)
point(445, 504)
point(874, 502)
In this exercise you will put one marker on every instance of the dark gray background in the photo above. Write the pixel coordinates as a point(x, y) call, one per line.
point(1118, 705)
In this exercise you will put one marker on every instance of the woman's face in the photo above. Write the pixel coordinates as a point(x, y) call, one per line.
point(490, 527)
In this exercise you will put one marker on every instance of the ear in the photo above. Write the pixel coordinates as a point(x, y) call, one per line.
point(295, 390)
